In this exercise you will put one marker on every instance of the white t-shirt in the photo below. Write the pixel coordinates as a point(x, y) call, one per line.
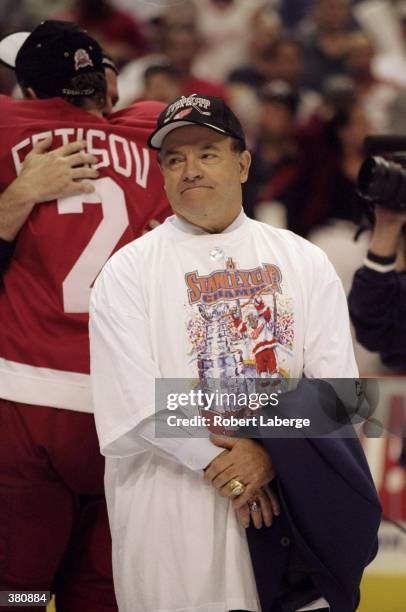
point(171, 305)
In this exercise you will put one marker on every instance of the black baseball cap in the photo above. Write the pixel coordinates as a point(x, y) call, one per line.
point(50, 56)
point(197, 109)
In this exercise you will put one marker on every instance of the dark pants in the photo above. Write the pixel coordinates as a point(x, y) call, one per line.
point(54, 532)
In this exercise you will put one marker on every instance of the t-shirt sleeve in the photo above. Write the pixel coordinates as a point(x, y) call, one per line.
point(328, 349)
point(123, 369)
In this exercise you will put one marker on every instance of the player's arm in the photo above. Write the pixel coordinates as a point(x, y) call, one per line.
point(45, 175)
point(377, 296)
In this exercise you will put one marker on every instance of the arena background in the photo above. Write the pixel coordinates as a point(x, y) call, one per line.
point(264, 57)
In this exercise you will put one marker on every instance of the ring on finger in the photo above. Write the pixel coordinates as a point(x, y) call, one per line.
point(254, 506)
point(236, 487)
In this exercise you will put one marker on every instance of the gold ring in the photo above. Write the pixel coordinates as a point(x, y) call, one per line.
point(236, 487)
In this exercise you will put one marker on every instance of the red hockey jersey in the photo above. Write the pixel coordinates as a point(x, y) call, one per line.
point(44, 352)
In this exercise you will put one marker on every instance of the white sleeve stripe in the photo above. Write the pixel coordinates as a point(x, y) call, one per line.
point(372, 265)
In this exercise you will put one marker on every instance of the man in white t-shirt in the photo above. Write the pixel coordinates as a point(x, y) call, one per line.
point(164, 307)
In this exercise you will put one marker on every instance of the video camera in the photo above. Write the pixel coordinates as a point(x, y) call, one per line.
point(382, 180)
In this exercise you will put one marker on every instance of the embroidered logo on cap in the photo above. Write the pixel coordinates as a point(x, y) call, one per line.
point(193, 102)
point(183, 113)
point(82, 59)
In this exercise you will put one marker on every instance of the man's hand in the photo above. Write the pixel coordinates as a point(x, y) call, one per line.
point(45, 175)
point(244, 460)
point(49, 175)
point(385, 216)
point(268, 504)
point(387, 231)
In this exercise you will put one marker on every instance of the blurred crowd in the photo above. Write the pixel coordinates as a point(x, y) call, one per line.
point(308, 78)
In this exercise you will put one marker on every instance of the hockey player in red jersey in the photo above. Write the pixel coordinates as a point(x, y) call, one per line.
point(264, 341)
point(52, 508)
point(258, 328)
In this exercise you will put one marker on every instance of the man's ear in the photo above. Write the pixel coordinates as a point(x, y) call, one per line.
point(245, 162)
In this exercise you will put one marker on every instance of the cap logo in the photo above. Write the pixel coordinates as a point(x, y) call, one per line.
point(193, 102)
point(183, 113)
point(82, 59)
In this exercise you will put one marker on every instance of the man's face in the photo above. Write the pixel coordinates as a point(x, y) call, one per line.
point(162, 87)
point(277, 120)
point(333, 14)
point(287, 64)
point(203, 176)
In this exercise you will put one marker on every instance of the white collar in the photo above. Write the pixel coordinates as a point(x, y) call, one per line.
point(189, 228)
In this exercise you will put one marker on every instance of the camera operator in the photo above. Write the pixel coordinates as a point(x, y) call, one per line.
point(377, 300)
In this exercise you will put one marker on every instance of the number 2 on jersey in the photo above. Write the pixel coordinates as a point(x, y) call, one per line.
point(77, 284)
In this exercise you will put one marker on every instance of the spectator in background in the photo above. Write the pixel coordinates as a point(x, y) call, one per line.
point(181, 44)
point(273, 57)
point(338, 93)
point(382, 21)
point(330, 205)
point(326, 45)
point(332, 151)
point(287, 65)
point(35, 11)
point(277, 57)
point(19, 15)
point(275, 175)
point(260, 66)
point(145, 10)
point(312, 172)
point(13, 16)
point(244, 82)
point(225, 27)
point(161, 82)
point(294, 11)
point(332, 176)
point(375, 94)
point(116, 31)
point(378, 294)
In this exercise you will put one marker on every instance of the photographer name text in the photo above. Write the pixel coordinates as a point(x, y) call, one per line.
point(232, 421)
